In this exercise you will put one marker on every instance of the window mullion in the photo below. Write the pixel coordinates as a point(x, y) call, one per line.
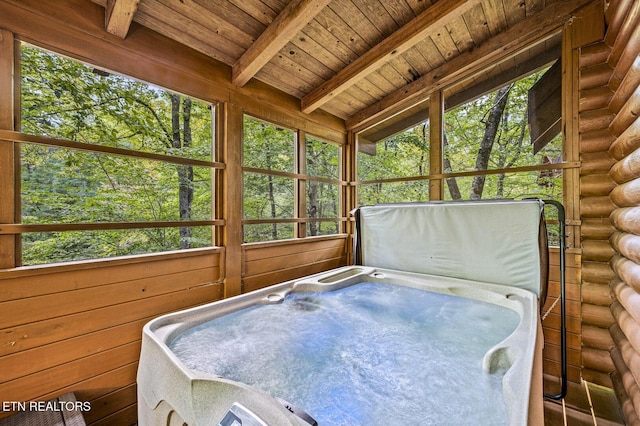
point(300, 185)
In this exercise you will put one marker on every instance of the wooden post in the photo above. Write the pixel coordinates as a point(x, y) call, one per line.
point(349, 199)
point(300, 191)
point(436, 136)
point(571, 140)
point(8, 150)
point(231, 196)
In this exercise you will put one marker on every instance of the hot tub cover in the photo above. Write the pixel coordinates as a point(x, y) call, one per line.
point(495, 242)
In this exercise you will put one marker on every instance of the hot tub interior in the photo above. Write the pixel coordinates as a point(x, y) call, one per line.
point(363, 354)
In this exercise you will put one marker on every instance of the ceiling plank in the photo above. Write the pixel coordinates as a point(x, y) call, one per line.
point(119, 15)
point(433, 18)
point(537, 27)
point(284, 27)
point(420, 112)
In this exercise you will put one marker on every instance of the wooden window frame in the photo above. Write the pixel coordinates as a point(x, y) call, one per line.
point(11, 139)
point(300, 178)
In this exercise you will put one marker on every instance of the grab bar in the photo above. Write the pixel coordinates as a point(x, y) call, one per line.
point(563, 321)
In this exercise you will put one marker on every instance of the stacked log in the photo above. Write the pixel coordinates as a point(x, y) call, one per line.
point(595, 208)
point(624, 59)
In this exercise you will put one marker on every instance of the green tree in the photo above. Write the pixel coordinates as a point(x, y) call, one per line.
point(64, 99)
point(267, 147)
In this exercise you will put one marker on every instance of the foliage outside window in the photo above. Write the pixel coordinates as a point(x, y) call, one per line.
point(492, 133)
point(393, 174)
point(267, 149)
point(67, 181)
point(274, 178)
point(322, 161)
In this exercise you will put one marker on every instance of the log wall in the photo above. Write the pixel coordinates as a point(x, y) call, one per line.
point(595, 208)
point(623, 38)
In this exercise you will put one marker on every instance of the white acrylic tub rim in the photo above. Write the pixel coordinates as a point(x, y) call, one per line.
point(165, 384)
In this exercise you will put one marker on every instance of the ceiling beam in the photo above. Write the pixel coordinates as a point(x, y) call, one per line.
point(538, 27)
point(514, 73)
point(293, 18)
point(433, 18)
point(119, 15)
point(418, 113)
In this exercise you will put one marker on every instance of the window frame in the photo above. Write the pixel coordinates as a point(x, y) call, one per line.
point(300, 179)
point(17, 138)
point(440, 175)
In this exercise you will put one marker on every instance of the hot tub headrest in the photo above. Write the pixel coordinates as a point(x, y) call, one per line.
point(495, 242)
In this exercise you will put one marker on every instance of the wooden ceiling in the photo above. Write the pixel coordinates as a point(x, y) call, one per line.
point(361, 60)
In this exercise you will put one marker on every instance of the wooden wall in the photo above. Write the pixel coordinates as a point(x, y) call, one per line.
point(77, 327)
point(623, 38)
point(270, 263)
point(551, 324)
point(595, 208)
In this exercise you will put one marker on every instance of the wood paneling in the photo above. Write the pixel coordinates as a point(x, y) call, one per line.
point(77, 327)
point(551, 324)
point(270, 263)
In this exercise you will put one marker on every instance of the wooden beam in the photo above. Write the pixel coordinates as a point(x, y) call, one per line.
point(436, 143)
point(119, 15)
point(295, 16)
point(11, 136)
point(420, 112)
point(435, 17)
point(8, 160)
point(398, 126)
point(17, 228)
point(229, 151)
point(535, 28)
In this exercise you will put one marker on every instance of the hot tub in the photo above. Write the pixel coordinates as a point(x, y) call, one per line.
point(486, 372)
point(500, 377)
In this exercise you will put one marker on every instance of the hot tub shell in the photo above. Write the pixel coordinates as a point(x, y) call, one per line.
point(170, 391)
point(489, 251)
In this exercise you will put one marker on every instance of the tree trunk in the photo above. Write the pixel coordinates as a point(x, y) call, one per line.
point(490, 132)
point(452, 183)
point(312, 208)
point(312, 199)
point(272, 202)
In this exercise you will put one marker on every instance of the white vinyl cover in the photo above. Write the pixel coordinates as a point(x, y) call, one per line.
point(494, 242)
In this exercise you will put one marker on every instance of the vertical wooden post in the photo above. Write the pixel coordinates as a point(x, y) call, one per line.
point(300, 194)
point(230, 195)
point(571, 142)
point(8, 206)
point(349, 155)
point(436, 136)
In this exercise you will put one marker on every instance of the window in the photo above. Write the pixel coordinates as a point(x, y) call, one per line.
point(277, 172)
point(491, 133)
point(267, 150)
point(115, 166)
point(395, 169)
point(323, 193)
